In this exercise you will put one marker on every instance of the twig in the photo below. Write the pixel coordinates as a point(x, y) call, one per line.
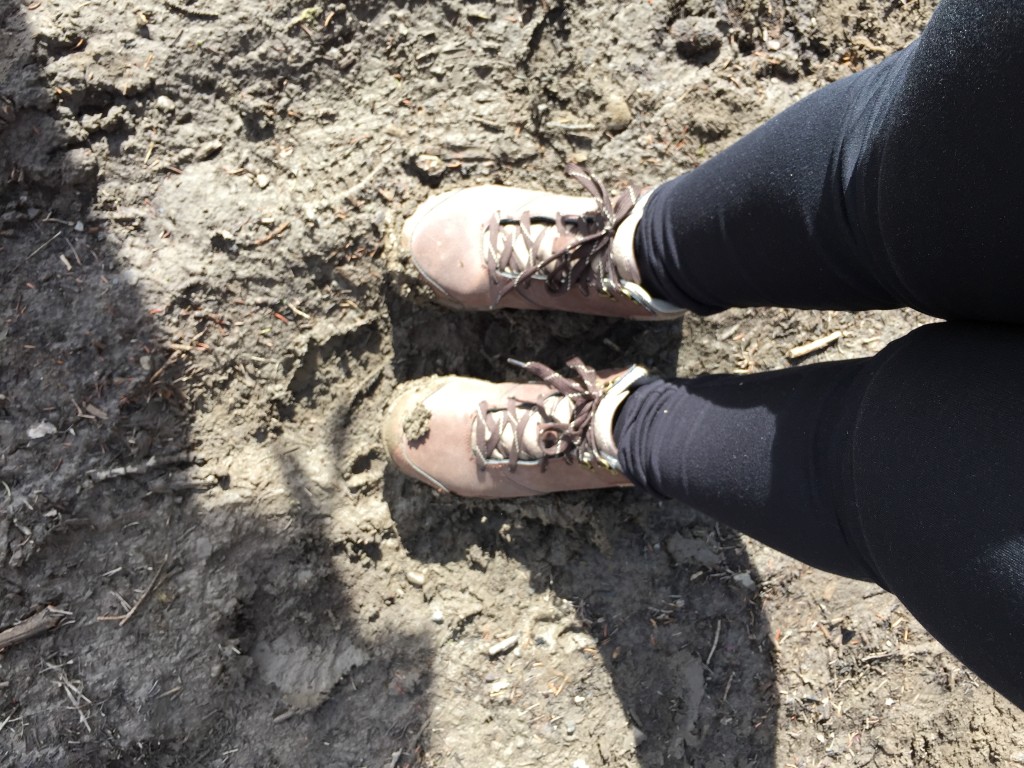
point(876, 657)
point(728, 687)
point(41, 247)
point(19, 265)
point(814, 346)
point(153, 462)
point(122, 620)
point(47, 619)
point(714, 643)
point(171, 358)
point(358, 187)
point(8, 719)
point(280, 230)
point(192, 13)
point(72, 691)
point(503, 646)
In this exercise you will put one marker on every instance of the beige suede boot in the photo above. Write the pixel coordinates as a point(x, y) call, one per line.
point(493, 247)
point(478, 439)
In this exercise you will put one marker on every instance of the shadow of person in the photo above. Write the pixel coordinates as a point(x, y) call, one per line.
point(203, 620)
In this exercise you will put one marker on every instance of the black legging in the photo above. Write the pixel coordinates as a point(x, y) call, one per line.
point(900, 186)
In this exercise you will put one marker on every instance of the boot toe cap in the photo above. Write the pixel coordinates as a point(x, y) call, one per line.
point(445, 240)
point(409, 431)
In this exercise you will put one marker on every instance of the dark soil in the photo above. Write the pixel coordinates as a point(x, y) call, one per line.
point(205, 312)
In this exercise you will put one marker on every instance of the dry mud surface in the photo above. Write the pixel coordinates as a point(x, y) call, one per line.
point(204, 312)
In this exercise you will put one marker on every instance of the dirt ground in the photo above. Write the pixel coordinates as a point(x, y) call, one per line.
point(205, 310)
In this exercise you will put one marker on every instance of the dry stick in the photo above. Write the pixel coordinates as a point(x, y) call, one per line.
point(37, 624)
point(122, 620)
point(37, 250)
point(74, 694)
point(714, 643)
point(728, 687)
point(276, 233)
point(171, 358)
point(397, 756)
point(814, 346)
point(179, 350)
point(355, 189)
point(153, 462)
point(8, 719)
point(192, 13)
point(18, 266)
point(503, 646)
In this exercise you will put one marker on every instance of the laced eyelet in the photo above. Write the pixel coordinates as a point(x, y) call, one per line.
point(586, 261)
point(572, 439)
point(549, 439)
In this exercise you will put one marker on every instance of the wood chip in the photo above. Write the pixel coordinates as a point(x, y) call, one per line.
point(503, 646)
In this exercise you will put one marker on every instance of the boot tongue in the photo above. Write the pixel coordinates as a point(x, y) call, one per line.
point(547, 241)
point(623, 255)
point(558, 409)
point(546, 236)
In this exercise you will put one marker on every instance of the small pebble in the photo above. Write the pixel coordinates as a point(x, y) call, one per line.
point(208, 149)
point(431, 166)
point(617, 113)
point(166, 104)
point(262, 180)
point(437, 617)
point(40, 430)
point(696, 36)
point(744, 579)
point(415, 578)
point(570, 727)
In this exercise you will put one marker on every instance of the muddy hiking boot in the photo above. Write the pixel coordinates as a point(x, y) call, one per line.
point(484, 440)
point(493, 247)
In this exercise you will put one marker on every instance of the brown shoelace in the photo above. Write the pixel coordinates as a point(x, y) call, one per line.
point(586, 261)
point(572, 440)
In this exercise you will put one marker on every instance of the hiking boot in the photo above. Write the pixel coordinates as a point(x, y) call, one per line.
point(494, 247)
point(483, 440)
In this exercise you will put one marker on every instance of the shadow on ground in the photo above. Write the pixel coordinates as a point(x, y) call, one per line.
point(202, 623)
point(645, 618)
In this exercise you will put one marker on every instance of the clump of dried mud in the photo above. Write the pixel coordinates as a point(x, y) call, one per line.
point(205, 312)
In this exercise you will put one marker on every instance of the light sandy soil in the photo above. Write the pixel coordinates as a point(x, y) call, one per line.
point(205, 310)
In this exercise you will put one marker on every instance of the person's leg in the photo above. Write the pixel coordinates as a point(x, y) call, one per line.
point(906, 469)
point(902, 185)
